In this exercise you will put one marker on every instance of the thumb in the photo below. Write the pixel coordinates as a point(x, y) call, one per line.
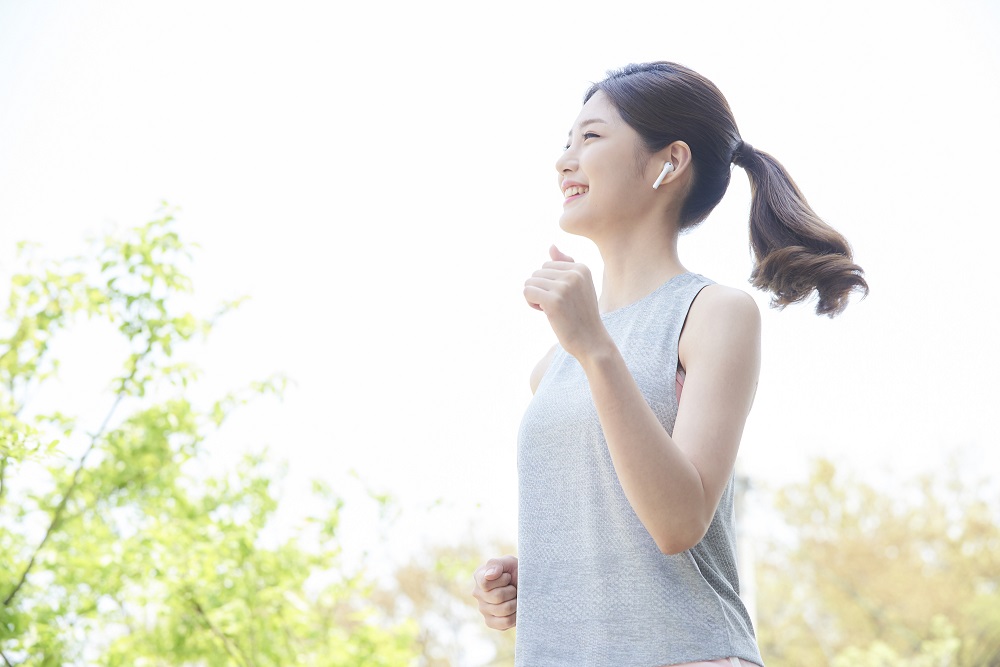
point(494, 569)
point(558, 255)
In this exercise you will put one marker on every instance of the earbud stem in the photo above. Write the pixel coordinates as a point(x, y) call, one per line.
point(667, 168)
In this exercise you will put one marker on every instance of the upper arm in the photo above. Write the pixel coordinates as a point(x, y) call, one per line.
point(720, 352)
point(539, 370)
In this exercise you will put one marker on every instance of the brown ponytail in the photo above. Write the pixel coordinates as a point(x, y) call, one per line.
point(794, 251)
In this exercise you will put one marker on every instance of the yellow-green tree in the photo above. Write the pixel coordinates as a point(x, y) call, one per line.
point(435, 588)
point(115, 550)
point(871, 577)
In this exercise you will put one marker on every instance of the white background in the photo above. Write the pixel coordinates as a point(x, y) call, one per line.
point(379, 178)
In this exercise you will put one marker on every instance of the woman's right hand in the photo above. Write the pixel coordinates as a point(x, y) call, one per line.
point(496, 590)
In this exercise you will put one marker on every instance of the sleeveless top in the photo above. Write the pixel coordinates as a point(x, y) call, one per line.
point(594, 589)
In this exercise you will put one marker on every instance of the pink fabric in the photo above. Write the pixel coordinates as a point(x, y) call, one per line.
point(680, 383)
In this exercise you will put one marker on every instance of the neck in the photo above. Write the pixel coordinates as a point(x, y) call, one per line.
point(637, 263)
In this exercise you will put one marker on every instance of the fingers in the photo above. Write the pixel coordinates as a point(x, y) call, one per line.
point(546, 285)
point(501, 623)
point(560, 270)
point(542, 282)
point(495, 567)
point(498, 605)
point(535, 296)
point(497, 597)
point(547, 278)
point(484, 586)
point(557, 269)
point(558, 255)
point(496, 590)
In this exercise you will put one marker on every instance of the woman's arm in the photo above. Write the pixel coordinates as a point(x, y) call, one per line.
point(674, 483)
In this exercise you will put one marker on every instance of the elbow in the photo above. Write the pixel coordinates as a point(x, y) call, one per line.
point(675, 547)
point(680, 539)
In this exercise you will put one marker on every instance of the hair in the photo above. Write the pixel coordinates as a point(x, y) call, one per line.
point(794, 251)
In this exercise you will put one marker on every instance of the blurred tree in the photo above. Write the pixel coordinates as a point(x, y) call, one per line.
point(869, 577)
point(116, 550)
point(435, 589)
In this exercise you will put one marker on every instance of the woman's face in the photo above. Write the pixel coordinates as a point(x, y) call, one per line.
point(600, 173)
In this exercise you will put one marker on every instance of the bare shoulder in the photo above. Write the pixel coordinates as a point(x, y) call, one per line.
point(721, 316)
point(539, 370)
point(716, 302)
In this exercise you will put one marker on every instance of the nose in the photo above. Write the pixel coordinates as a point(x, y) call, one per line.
point(566, 162)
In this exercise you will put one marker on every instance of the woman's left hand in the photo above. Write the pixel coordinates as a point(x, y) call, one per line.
point(564, 291)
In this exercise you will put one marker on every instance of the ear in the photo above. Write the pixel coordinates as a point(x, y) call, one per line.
point(678, 154)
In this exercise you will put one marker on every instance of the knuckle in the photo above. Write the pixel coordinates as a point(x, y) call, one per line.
point(501, 595)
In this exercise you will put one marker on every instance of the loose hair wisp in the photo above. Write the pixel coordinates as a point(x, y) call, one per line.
point(795, 252)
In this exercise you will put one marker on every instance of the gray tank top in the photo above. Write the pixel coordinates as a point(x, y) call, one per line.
point(593, 587)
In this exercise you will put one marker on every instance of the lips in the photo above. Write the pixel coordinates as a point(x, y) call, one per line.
point(573, 190)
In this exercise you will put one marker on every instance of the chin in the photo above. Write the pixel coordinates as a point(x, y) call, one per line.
point(573, 225)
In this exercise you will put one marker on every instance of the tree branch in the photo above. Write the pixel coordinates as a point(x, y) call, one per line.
point(3, 471)
point(61, 507)
point(225, 639)
point(5, 660)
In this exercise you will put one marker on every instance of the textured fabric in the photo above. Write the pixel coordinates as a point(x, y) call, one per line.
point(593, 587)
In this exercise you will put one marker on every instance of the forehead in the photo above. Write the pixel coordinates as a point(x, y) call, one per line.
point(598, 107)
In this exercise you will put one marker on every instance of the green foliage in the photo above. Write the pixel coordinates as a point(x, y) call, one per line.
point(909, 578)
point(123, 553)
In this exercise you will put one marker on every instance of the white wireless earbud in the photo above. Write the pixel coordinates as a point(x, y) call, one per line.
point(667, 168)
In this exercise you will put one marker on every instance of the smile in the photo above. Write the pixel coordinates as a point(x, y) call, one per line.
point(574, 192)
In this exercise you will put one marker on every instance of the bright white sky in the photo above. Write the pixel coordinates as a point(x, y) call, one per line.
point(379, 178)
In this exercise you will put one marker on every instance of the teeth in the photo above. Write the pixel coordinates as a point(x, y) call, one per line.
point(575, 190)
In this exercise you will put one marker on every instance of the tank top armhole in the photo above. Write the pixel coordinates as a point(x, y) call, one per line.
point(681, 372)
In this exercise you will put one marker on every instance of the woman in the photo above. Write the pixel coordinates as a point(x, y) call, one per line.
point(626, 451)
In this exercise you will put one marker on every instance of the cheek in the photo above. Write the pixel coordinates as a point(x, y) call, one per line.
point(614, 188)
point(611, 172)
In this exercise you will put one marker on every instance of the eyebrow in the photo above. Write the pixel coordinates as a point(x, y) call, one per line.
point(588, 122)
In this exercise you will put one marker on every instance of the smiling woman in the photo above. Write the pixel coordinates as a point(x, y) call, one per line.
point(626, 519)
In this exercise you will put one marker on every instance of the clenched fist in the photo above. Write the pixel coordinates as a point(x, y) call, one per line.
point(564, 291)
point(496, 590)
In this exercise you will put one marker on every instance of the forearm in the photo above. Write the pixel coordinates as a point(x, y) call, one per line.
point(661, 483)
